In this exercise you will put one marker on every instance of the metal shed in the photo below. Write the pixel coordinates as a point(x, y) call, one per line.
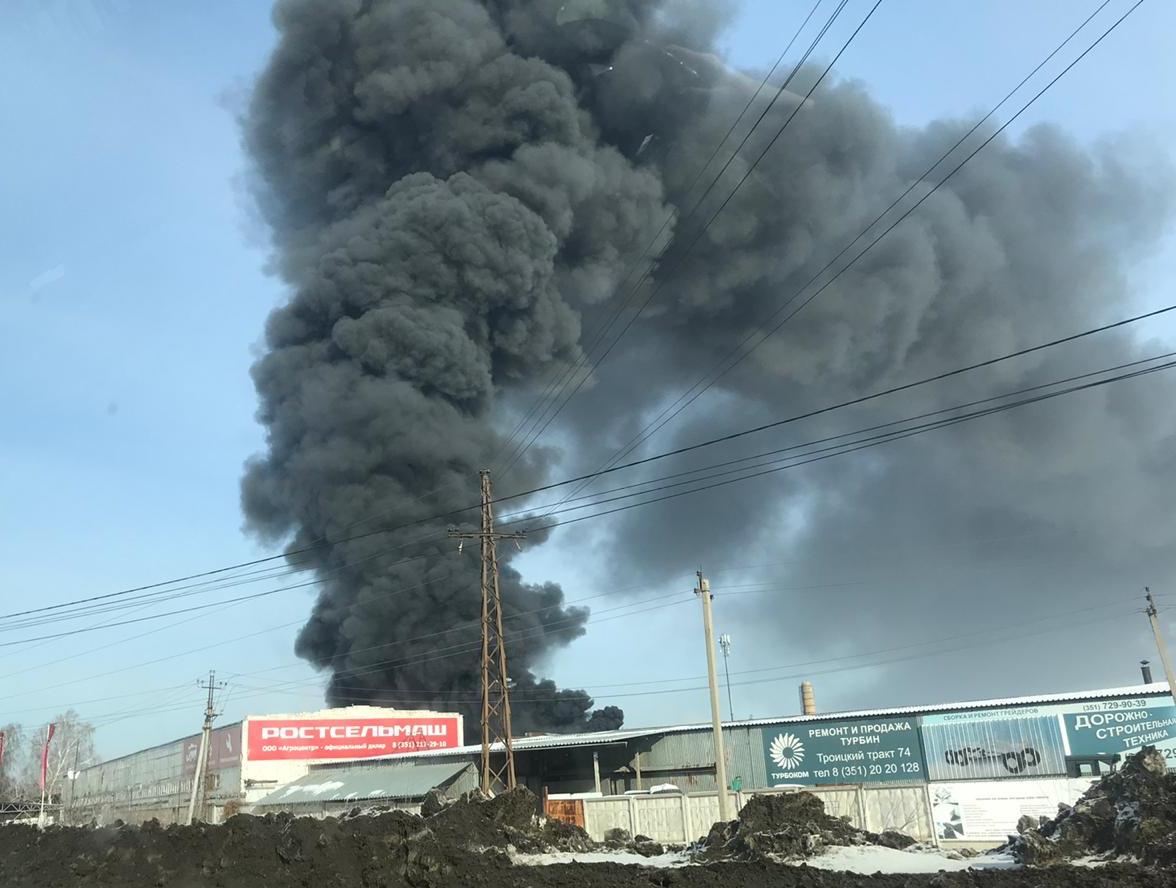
point(334, 790)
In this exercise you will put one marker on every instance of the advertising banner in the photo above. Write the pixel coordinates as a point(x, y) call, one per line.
point(224, 752)
point(988, 810)
point(349, 738)
point(969, 746)
point(1122, 726)
point(851, 751)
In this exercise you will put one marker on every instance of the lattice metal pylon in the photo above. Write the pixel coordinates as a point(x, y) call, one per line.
point(495, 681)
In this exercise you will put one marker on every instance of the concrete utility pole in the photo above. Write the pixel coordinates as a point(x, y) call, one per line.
point(495, 681)
point(198, 778)
point(704, 592)
point(1152, 615)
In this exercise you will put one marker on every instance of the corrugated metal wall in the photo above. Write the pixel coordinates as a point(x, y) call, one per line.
point(687, 759)
point(143, 785)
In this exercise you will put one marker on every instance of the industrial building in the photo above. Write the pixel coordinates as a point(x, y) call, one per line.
point(248, 760)
point(957, 772)
point(972, 769)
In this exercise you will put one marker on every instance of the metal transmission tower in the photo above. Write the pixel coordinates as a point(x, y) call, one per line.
point(495, 681)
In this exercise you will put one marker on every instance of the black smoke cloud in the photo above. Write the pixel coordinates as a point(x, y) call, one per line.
point(457, 189)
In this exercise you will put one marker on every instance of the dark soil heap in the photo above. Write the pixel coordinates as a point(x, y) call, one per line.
point(386, 850)
point(788, 826)
point(1131, 813)
point(463, 844)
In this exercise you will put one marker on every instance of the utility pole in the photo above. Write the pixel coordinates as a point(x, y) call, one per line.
point(495, 681)
point(1153, 618)
point(198, 778)
point(704, 592)
point(725, 646)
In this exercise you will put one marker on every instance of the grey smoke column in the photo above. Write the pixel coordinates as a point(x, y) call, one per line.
point(456, 187)
point(441, 207)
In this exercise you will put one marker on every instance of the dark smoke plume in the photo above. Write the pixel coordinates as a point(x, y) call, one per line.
point(455, 188)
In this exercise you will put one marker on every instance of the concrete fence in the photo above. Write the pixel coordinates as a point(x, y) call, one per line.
point(683, 818)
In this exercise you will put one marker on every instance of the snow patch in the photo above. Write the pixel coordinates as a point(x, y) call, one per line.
point(870, 859)
point(628, 858)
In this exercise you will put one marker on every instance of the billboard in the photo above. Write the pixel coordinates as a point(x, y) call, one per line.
point(979, 745)
point(318, 739)
point(988, 810)
point(852, 751)
point(224, 751)
point(1122, 726)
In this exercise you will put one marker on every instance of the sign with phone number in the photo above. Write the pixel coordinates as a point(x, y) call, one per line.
point(850, 751)
point(1122, 726)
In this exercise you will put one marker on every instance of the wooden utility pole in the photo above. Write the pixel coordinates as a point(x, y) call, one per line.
point(198, 778)
point(704, 592)
point(495, 682)
point(1153, 618)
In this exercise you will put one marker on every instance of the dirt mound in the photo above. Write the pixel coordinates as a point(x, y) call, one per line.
point(1131, 813)
point(788, 826)
point(391, 849)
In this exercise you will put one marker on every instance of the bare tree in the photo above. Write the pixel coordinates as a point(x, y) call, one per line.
point(72, 746)
point(11, 767)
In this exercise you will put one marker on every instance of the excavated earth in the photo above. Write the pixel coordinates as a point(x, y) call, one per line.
point(1128, 814)
point(467, 843)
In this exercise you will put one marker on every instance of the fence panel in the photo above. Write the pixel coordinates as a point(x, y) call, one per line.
point(660, 818)
point(684, 818)
point(701, 813)
point(567, 810)
point(901, 808)
point(603, 814)
point(841, 803)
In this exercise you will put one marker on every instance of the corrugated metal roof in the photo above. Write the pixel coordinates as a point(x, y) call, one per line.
point(364, 784)
point(558, 741)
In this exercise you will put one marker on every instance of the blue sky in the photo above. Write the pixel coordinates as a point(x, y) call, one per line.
point(134, 292)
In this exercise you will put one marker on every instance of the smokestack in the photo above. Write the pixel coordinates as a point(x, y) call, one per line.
point(1145, 668)
point(808, 700)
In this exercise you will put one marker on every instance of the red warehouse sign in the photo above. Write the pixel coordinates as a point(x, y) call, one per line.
point(225, 751)
point(281, 739)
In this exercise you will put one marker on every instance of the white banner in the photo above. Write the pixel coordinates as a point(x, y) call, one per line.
point(988, 810)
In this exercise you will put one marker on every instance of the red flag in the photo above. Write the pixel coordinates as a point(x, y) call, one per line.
point(49, 732)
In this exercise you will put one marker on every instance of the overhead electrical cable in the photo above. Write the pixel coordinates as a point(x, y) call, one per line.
point(711, 442)
point(560, 382)
point(738, 354)
point(706, 225)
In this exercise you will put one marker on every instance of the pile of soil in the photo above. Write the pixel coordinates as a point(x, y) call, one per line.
point(1131, 813)
point(390, 849)
point(462, 844)
point(788, 826)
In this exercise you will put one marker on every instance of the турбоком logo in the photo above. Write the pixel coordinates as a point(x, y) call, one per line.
point(787, 751)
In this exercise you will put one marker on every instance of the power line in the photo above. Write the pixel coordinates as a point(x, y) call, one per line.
point(1000, 638)
point(706, 226)
point(560, 383)
point(852, 402)
point(453, 513)
point(560, 508)
point(675, 408)
point(199, 607)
